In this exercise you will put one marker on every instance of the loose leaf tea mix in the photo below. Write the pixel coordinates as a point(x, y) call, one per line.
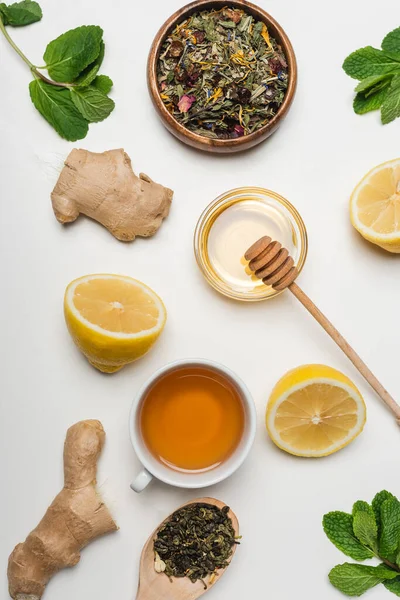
point(221, 74)
point(195, 542)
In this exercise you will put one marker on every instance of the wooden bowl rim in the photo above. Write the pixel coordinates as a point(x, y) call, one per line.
point(194, 138)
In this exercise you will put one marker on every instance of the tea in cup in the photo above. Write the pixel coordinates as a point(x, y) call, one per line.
point(192, 424)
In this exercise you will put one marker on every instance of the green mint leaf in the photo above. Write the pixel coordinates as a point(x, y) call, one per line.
point(367, 62)
point(363, 104)
point(390, 529)
point(69, 54)
point(377, 504)
point(338, 527)
point(363, 506)
point(391, 106)
point(89, 74)
point(393, 585)
point(365, 529)
point(103, 84)
point(370, 82)
point(56, 106)
point(354, 580)
point(93, 105)
point(383, 85)
point(391, 44)
point(20, 14)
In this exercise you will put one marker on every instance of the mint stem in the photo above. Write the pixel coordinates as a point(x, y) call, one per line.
point(32, 67)
point(389, 564)
point(13, 45)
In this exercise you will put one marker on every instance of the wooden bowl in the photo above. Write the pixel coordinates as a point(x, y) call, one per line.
point(198, 141)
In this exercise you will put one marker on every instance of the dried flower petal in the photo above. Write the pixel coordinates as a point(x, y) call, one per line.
point(159, 565)
point(199, 36)
point(232, 15)
point(265, 35)
point(186, 102)
point(175, 49)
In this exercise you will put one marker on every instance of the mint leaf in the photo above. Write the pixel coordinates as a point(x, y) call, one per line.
point(391, 106)
point(363, 506)
point(88, 74)
point(391, 44)
point(93, 105)
point(363, 104)
point(69, 54)
point(377, 505)
point(370, 82)
point(390, 532)
point(338, 527)
point(365, 529)
point(393, 585)
point(20, 14)
point(364, 524)
point(103, 84)
point(367, 62)
point(354, 580)
point(55, 105)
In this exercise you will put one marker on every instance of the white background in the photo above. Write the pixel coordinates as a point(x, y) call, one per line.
point(315, 159)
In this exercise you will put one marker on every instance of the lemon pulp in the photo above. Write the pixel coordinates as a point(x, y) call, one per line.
point(375, 206)
point(314, 410)
point(115, 305)
point(113, 319)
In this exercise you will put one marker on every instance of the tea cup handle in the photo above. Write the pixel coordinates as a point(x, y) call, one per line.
point(141, 481)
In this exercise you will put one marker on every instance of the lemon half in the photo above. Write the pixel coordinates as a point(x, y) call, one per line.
point(375, 206)
point(113, 319)
point(314, 411)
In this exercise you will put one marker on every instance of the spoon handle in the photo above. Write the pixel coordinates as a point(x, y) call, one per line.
point(347, 349)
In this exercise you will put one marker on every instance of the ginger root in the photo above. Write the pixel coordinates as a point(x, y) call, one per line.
point(76, 517)
point(105, 188)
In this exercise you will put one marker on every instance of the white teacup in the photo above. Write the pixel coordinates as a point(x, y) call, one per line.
point(152, 468)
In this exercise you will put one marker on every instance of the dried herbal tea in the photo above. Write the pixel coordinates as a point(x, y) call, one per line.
point(221, 74)
point(195, 542)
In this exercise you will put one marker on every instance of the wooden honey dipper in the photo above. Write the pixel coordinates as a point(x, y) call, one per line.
point(272, 263)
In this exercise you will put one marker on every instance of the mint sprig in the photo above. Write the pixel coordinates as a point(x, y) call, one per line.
point(379, 74)
point(369, 531)
point(73, 95)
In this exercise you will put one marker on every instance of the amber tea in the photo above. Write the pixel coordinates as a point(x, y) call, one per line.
point(192, 419)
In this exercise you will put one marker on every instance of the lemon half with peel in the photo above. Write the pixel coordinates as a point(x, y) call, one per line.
point(375, 206)
point(113, 319)
point(314, 410)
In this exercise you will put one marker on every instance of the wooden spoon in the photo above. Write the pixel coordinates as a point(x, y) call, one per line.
point(272, 263)
point(157, 586)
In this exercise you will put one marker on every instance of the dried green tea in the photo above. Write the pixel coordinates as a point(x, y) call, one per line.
point(221, 75)
point(195, 542)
